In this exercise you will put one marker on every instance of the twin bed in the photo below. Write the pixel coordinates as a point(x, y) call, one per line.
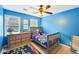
point(47, 41)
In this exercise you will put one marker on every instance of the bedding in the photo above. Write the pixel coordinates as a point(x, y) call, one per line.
point(39, 37)
point(45, 40)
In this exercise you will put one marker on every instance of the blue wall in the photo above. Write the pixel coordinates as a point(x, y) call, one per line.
point(67, 23)
point(22, 16)
point(1, 27)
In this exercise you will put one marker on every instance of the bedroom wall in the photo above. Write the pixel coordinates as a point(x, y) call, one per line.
point(67, 23)
point(1, 27)
point(22, 16)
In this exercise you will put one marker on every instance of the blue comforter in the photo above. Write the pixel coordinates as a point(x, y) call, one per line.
point(40, 39)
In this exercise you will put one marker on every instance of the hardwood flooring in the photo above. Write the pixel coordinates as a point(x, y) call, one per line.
point(60, 49)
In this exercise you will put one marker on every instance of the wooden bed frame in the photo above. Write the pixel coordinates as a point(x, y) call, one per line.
point(50, 37)
point(34, 28)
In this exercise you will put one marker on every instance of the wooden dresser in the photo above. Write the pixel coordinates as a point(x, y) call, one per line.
point(16, 40)
point(75, 44)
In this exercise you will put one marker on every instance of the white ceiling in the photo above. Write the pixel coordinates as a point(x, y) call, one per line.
point(54, 8)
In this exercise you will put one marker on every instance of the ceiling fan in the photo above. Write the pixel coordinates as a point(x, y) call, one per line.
point(42, 10)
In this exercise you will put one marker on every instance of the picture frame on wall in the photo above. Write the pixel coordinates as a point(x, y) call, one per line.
point(25, 24)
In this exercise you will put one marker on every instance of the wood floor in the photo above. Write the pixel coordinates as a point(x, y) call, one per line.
point(61, 49)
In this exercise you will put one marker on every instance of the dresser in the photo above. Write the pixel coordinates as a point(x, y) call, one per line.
point(75, 44)
point(15, 40)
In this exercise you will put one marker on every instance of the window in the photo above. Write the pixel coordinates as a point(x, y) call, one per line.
point(12, 23)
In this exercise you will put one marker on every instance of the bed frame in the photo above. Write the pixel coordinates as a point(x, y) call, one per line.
point(34, 28)
point(49, 37)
